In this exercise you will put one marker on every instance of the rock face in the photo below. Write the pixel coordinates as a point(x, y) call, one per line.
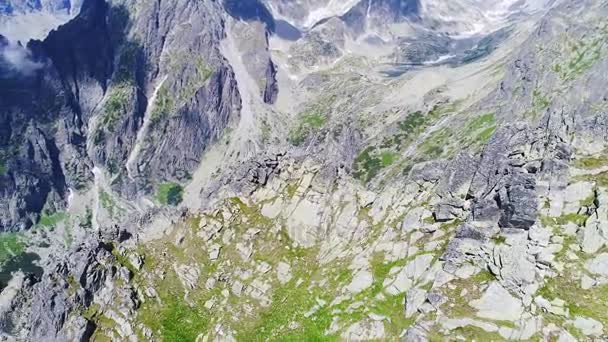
point(258, 170)
point(101, 116)
point(55, 301)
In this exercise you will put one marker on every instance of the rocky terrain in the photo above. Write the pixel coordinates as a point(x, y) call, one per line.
point(305, 171)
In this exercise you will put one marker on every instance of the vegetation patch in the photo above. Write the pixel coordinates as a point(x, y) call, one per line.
point(309, 123)
point(578, 219)
point(163, 105)
point(435, 145)
point(480, 129)
point(106, 201)
point(540, 103)
point(127, 63)
point(169, 194)
point(590, 303)
point(52, 220)
point(290, 304)
point(583, 54)
point(116, 105)
point(3, 168)
point(371, 161)
point(11, 244)
point(195, 73)
point(590, 163)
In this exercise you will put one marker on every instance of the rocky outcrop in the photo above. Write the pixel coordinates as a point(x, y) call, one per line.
point(55, 306)
point(98, 109)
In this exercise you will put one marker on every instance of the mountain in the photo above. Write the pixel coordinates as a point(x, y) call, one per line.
point(196, 170)
point(22, 20)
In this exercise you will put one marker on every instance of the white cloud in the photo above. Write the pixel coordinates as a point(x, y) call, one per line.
point(19, 59)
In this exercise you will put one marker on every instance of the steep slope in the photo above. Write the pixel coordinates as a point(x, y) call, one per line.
point(227, 183)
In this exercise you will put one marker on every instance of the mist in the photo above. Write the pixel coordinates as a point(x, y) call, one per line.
point(18, 59)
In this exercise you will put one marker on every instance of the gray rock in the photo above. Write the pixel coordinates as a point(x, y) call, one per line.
point(415, 333)
point(598, 265)
point(519, 202)
point(414, 299)
point(448, 210)
point(588, 326)
point(498, 304)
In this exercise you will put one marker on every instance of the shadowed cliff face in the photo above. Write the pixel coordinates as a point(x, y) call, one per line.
point(45, 113)
point(250, 10)
point(86, 106)
point(22, 20)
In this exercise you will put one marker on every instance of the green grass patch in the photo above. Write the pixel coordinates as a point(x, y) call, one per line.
point(52, 220)
point(371, 161)
point(578, 219)
point(434, 146)
point(590, 163)
point(308, 123)
point(174, 319)
point(107, 202)
point(163, 105)
point(472, 333)
point(289, 304)
point(583, 54)
point(479, 130)
point(590, 303)
point(408, 129)
point(116, 105)
point(11, 244)
point(169, 194)
point(3, 167)
point(484, 276)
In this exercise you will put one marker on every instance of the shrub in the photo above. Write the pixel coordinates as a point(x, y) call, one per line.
point(170, 194)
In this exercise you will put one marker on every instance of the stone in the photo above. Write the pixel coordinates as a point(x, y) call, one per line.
point(522, 331)
point(210, 283)
point(416, 333)
point(135, 260)
point(565, 336)
point(519, 202)
point(588, 326)
point(244, 250)
point(283, 272)
point(598, 265)
point(513, 262)
point(361, 280)
point(303, 222)
point(591, 237)
point(574, 193)
point(486, 210)
point(273, 210)
point(414, 299)
point(455, 323)
point(258, 290)
point(237, 288)
point(449, 210)
point(263, 267)
point(498, 304)
point(365, 331)
point(188, 275)
point(401, 281)
point(413, 219)
point(554, 307)
point(214, 251)
point(587, 282)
